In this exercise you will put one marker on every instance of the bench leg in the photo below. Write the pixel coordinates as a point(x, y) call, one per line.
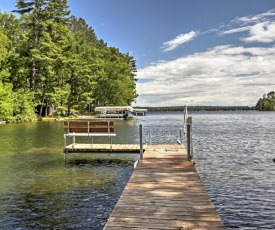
point(65, 143)
point(65, 153)
point(73, 140)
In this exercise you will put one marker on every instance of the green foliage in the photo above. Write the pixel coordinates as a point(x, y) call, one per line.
point(6, 101)
point(15, 106)
point(47, 57)
point(267, 102)
point(4, 54)
point(115, 79)
point(24, 106)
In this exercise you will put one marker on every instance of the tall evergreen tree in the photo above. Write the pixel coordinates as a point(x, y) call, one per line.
point(45, 24)
point(15, 105)
point(4, 53)
point(33, 16)
point(16, 59)
point(82, 57)
point(116, 80)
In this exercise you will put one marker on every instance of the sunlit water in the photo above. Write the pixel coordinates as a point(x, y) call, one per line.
point(233, 154)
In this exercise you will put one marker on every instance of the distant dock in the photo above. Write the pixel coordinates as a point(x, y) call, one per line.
point(139, 112)
point(164, 192)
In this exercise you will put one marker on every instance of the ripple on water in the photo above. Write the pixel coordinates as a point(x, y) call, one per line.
point(237, 171)
point(83, 205)
point(233, 154)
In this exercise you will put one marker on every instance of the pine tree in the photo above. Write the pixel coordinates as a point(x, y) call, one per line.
point(45, 24)
point(82, 57)
point(33, 18)
point(116, 80)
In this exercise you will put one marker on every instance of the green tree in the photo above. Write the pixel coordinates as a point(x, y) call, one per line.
point(33, 16)
point(6, 107)
point(14, 105)
point(6, 102)
point(116, 78)
point(45, 24)
point(81, 65)
point(4, 53)
point(267, 102)
point(17, 60)
point(271, 95)
point(48, 58)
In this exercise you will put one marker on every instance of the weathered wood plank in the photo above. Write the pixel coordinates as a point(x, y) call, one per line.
point(164, 192)
point(92, 148)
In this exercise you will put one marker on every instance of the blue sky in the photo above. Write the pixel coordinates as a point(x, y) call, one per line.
point(195, 52)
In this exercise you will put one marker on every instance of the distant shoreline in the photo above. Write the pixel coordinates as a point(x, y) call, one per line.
point(200, 108)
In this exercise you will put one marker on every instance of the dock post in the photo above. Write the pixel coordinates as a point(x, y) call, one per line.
point(65, 153)
point(140, 141)
point(189, 138)
point(181, 136)
point(150, 137)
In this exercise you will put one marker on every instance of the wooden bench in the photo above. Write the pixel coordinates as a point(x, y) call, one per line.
point(88, 128)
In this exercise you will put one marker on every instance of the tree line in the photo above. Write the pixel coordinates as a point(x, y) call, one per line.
point(49, 57)
point(200, 108)
point(267, 102)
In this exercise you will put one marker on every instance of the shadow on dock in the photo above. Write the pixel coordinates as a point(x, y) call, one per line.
point(164, 192)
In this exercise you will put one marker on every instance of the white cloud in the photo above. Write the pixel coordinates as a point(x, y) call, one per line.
point(223, 75)
point(255, 18)
point(179, 40)
point(261, 32)
point(237, 30)
point(260, 28)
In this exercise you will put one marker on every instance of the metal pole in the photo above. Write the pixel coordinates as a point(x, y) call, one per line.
point(141, 141)
point(181, 136)
point(189, 139)
point(188, 142)
point(150, 137)
point(191, 136)
point(185, 117)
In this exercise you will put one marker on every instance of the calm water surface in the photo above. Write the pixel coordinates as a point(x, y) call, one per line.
point(233, 154)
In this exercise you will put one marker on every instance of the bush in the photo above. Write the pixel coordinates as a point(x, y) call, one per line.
point(16, 106)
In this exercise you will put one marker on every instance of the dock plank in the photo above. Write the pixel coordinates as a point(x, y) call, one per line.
point(92, 148)
point(164, 192)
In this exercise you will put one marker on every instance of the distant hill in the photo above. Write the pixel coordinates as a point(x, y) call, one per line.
point(200, 108)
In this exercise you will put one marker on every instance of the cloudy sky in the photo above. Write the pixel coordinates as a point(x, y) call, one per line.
point(195, 52)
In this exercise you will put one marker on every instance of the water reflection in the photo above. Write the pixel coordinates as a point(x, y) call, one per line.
point(78, 195)
point(38, 191)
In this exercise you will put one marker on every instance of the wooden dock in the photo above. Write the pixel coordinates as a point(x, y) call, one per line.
point(164, 192)
point(95, 148)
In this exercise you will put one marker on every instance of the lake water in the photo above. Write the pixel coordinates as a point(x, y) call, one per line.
point(233, 155)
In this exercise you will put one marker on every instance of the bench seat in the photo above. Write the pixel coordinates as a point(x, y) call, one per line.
point(88, 128)
point(90, 134)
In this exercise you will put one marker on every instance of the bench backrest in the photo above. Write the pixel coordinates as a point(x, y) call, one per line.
point(74, 126)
